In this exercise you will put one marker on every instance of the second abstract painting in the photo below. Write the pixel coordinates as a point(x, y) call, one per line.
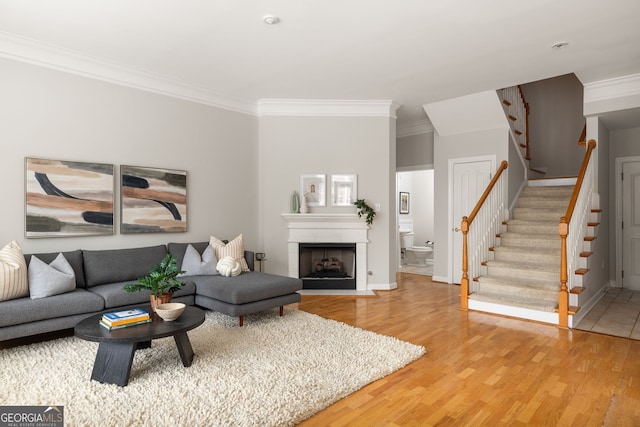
point(153, 200)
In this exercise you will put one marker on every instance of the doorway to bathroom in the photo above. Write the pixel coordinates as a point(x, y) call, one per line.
point(415, 212)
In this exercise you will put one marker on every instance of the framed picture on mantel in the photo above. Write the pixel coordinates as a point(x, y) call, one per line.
point(344, 190)
point(313, 188)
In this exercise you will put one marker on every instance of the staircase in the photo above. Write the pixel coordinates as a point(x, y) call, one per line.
point(524, 273)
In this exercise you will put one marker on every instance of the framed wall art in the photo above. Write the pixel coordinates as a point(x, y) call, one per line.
point(404, 202)
point(68, 199)
point(313, 188)
point(153, 200)
point(344, 190)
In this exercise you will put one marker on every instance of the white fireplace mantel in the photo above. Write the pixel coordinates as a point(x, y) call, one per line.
point(328, 228)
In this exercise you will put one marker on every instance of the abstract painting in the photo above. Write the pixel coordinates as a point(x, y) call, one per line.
point(65, 199)
point(153, 200)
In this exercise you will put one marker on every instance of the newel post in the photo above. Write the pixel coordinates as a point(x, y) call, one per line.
point(464, 283)
point(563, 296)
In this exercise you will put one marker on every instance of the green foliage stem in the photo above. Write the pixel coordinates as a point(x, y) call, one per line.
point(365, 209)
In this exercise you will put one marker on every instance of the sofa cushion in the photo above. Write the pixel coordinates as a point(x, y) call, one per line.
point(25, 310)
point(178, 250)
point(234, 249)
point(13, 273)
point(247, 287)
point(73, 257)
point(46, 280)
point(120, 265)
point(114, 296)
point(195, 264)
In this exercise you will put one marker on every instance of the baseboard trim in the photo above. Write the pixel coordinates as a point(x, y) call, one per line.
point(518, 312)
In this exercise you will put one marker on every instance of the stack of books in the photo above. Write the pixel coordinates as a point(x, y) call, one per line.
point(123, 319)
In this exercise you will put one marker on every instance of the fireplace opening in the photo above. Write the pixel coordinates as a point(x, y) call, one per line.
point(327, 265)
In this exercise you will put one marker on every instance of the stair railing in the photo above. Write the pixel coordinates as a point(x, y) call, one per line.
point(574, 227)
point(487, 216)
point(517, 112)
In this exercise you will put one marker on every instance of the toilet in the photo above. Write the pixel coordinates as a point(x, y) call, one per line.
point(415, 255)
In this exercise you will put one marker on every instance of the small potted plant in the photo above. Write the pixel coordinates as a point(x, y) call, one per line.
point(366, 210)
point(161, 282)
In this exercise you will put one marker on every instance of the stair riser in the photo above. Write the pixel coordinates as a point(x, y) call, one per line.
point(529, 243)
point(539, 203)
point(540, 294)
point(548, 190)
point(536, 215)
point(523, 274)
point(533, 229)
point(507, 256)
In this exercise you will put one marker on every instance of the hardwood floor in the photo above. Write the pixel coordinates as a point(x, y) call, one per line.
point(482, 369)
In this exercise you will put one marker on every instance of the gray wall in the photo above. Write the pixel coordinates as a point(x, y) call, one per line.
point(414, 151)
point(56, 115)
point(295, 145)
point(555, 124)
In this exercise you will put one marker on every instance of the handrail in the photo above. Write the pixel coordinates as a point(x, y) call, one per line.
point(563, 229)
point(492, 218)
point(527, 148)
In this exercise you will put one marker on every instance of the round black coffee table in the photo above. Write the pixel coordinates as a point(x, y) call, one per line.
point(117, 347)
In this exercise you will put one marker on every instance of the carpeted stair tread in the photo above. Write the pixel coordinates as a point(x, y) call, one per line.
point(516, 301)
point(524, 226)
point(530, 254)
point(532, 214)
point(566, 190)
point(522, 270)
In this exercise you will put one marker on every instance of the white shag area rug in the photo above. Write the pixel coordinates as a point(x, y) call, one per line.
point(274, 371)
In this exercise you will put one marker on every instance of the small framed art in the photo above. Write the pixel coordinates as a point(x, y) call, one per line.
point(344, 190)
point(404, 202)
point(313, 189)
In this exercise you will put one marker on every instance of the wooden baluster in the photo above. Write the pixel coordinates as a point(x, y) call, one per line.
point(563, 296)
point(464, 283)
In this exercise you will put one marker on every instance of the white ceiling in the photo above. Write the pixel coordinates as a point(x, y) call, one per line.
point(409, 51)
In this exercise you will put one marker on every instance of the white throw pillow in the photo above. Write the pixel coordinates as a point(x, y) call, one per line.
point(228, 266)
point(234, 249)
point(13, 273)
point(195, 265)
point(46, 280)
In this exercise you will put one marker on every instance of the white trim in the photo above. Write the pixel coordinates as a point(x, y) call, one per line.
point(327, 107)
point(69, 61)
point(518, 312)
point(414, 128)
point(612, 88)
point(412, 168)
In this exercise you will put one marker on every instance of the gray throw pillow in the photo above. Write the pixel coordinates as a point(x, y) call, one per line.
point(46, 280)
point(195, 265)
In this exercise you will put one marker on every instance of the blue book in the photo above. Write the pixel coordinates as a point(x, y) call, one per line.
point(125, 314)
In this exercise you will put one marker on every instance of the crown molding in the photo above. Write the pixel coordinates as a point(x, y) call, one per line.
point(414, 128)
point(46, 55)
point(612, 88)
point(328, 107)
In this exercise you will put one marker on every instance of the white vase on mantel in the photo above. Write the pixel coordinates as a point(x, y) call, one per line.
point(304, 208)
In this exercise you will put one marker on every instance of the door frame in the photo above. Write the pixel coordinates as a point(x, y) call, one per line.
point(619, 162)
point(451, 223)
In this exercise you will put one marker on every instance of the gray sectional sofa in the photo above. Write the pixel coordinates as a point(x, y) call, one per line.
point(100, 275)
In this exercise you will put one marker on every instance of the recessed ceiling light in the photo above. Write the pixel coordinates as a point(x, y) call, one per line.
point(270, 19)
point(559, 45)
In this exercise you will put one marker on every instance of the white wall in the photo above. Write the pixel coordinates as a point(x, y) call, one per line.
point(55, 115)
point(295, 145)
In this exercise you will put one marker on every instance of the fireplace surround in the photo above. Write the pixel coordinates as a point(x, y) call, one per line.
point(325, 228)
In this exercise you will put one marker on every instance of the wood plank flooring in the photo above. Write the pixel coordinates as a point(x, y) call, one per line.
point(482, 369)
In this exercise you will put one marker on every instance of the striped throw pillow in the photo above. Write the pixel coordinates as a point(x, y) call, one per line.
point(234, 249)
point(13, 273)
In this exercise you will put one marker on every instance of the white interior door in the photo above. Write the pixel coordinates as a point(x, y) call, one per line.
point(631, 226)
point(469, 178)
